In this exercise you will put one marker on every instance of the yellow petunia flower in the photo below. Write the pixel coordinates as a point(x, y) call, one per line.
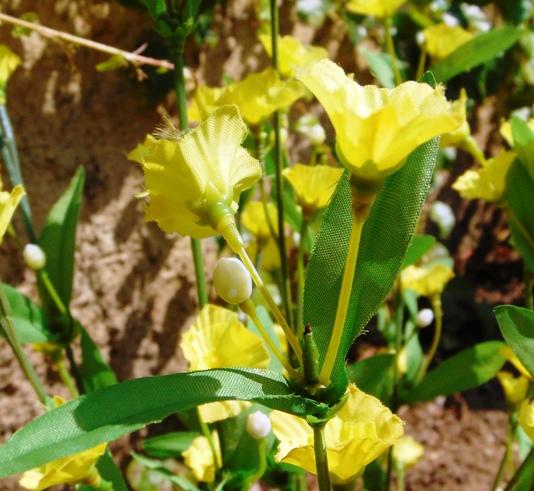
point(292, 53)
point(440, 40)
point(194, 182)
point(427, 281)
point(376, 129)
point(8, 204)
point(488, 182)
point(313, 185)
point(199, 458)
point(514, 388)
point(9, 62)
point(506, 130)
point(218, 340)
point(254, 219)
point(376, 8)
point(407, 451)
point(526, 417)
point(359, 433)
point(258, 96)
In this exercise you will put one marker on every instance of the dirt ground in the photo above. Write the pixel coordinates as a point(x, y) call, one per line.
point(134, 287)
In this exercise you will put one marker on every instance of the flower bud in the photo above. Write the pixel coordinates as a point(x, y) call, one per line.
point(232, 280)
point(424, 317)
point(316, 134)
point(258, 425)
point(442, 214)
point(34, 257)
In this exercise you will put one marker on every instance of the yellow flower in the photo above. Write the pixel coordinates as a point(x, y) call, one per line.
point(73, 469)
point(511, 357)
point(407, 451)
point(9, 62)
point(254, 219)
point(514, 388)
point(488, 182)
point(376, 129)
point(526, 417)
point(194, 182)
point(428, 281)
point(269, 259)
point(218, 340)
point(441, 39)
point(506, 131)
point(292, 53)
point(359, 433)
point(8, 204)
point(376, 8)
point(199, 458)
point(313, 185)
point(258, 96)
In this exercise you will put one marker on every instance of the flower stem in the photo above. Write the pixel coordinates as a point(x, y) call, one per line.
point(66, 378)
point(54, 295)
point(421, 64)
point(520, 471)
point(438, 315)
point(390, 46)
point(300, 278)
point(359, 214)
point(400, 477)
point(205, 430)
point(506, 455)
point(321, 458)
point(181, 104)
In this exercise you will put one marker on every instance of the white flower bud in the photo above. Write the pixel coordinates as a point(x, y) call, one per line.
point(232, 280)
point(316, 134)
point(441, 213)
point(420, 38)
point(424, 317)
point(450, 20)
point(34, 257)
point(258, 425)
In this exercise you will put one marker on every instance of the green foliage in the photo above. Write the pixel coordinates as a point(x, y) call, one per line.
point(115, 62)
point(374, 375)
point(523, 138)
point(96, 373)
point(380, 66)
point(418, 247)
point(170, 444)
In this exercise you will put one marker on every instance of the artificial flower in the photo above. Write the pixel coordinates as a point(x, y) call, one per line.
point(9, 62)
point(506, 130)
point(218, 340)
point(194, 181)
point(440, 40)
point(376, 129)
point(359, 433)
point(526, 417)
point(488, 182)
point(376, 8)
point(313, 185)
point(292, 53)
point(269, 254)
point(8, 204)
point(256, 218)
point(199, 457)
point(512, 358)
point(514, 388)
point(258, 96)
point(427, 281)
point(407, 451)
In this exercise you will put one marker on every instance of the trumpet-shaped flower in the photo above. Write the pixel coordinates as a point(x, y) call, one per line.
point(195, 181)
point(359, 433)
point(313, 185)
point(218, 340)
point(258, 96)
point(506, 131)
point(9, 62)
point(8, 204)
point(376, 129)
point(407, 451)
point(199, 458)
point(292, 53)
point(256, 218)
point(514, 388)
point(526, 417)
point(428, 281)
point(440, 40)
point(376, 8)
point(488, 182)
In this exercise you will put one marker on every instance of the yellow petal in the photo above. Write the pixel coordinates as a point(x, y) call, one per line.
point(441, 39)
point(526, 417)
point(218, 411)
point(408, 451)
point(8, 205)
point(204, 102)
point(514, 388)
point(9, 62)
point(199, 458)
point(511, 357)
point(255, 219)
point(427, 281)
point(376, 8)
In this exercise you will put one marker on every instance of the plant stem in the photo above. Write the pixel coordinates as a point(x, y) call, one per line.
point(359, 214)
point(9, 331)
point(66, 378)
point(278, 161)
point(134, 58)
point(321, 458)
point(181, 104)
point(50, 288)
point(300, 278)
point(520, 471)
point(421, 64)
point(390, 46)
point(205, 430)
point(438, 315)
point(506, 455)
point(400, 477)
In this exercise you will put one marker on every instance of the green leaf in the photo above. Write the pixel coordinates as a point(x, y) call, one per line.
point(524, 143)
point(374, 375)
point(20, 31)
point(107, 414)
point(480, 49)
point(96, 373)
point(517, 328)
point(29, 320)
point(58, 240)
point(385, 239)
point(463, 371)
point(109, 471)
point(170, 444)
point(267, 322)
point(418, 247)
point(380, 67)
point(115, 62)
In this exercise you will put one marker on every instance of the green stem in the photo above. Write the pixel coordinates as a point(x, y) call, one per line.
point(528, 280)
point(205, 430)
point(506, 455)
point(520, 471)
point(66, 378)
point(54, 295)
point(8, 329)
point(300, 278)
point(438, 325)
point(181, 104)
point(321, 458)
point(359, 215)
point(390, 46)
point(400, 477)
point(421, 64)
